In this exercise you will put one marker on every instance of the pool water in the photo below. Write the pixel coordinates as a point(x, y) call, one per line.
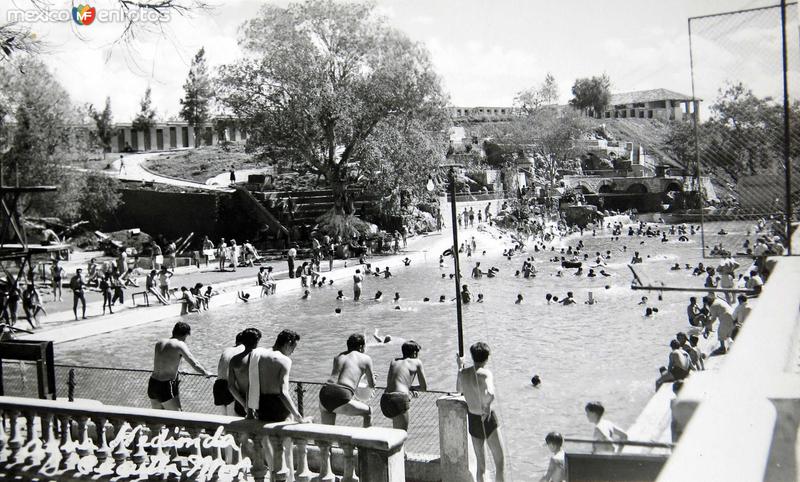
point(608, 351)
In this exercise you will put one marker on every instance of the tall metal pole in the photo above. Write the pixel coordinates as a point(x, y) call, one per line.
point(454, 222)
point(787, 160)
point(698, 173)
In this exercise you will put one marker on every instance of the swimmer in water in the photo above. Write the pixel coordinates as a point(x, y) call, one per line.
point(536, 381)
point(548, 297)
point(381, 339)
point(466, 296)
point(378, 296)
point(337, 311)
point(480, 298)
point(442, 299)
point(519, 300)
point(306, 295)
point(245, 297)
point(396, 297)
point(569, 300)
point(644, 300)
point(407, 262)
point(387, 273)
point(340, 296)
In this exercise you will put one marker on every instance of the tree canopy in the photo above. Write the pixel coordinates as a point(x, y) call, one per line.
point(325, 84)
point(104, 126)
point(742, 137)
point(146, 117)
point(591, 95)
point(548, 135)
point(197, 92)
point(545, 94)
point(39, 123)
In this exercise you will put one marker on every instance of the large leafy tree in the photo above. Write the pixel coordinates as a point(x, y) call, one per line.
point(321, 81)
point(146, 117)
point(591, 95)
point(104, 126)
point(197, 93)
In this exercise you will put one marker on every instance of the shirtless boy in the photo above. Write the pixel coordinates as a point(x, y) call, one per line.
point(337, 396)
point(222, 395)
point(162, 389)
point(275, 403)
point(239, 371)
point(477, 385)
point(397, 397)
point(357, 279)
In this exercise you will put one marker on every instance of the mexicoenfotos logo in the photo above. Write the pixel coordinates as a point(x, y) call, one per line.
point(84, 14)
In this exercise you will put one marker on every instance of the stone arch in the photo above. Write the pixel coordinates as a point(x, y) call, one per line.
point(637, 188)
point(673, 186)
point(606, 188)
point(583, 188)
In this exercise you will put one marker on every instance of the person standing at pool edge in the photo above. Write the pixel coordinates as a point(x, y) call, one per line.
point(337, 395)
point(396, 399)
point(162, 388)
point(275, 402)
point(477, 385)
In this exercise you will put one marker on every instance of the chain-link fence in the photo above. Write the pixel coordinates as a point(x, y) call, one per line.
point(740, 147)
point(128, 387)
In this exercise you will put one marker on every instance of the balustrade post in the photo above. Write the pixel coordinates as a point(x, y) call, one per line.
point(139, 456)
point(103, 451)
point(349, 463)
point(325, 471)
point(65, 444)
point(15, 440)
point(3, 441)
point(49, 442)
point(121, 453)
point(381, 457)
point(259, 467)
point(278, 470)
point(84, 445)
point(302, 474)
point(454, 439)
point(156, 429)
point(34, 455)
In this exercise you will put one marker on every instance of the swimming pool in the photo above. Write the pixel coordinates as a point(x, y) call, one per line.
point(607, 351)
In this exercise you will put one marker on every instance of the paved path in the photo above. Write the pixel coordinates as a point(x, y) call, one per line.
point(228, 285)
point(134, 171)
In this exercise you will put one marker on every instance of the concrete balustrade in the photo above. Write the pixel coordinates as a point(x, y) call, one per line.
point(84, 441)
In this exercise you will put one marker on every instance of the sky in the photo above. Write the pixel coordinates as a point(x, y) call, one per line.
point(484, 51)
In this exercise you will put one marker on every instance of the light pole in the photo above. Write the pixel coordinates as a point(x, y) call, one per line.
point(454, 223)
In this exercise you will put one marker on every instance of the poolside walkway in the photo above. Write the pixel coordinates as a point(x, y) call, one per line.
point(228, 285)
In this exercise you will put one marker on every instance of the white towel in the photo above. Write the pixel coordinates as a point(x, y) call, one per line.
point(254, 393)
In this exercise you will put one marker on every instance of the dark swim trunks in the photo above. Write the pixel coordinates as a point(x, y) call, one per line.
point(162, 391)
point(334, 395)
point(222, 396)
point(479, 428)
point(394, 404)
point(271, 408)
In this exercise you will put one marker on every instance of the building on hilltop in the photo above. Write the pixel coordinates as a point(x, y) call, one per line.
point(483, 113)
point(660, 104)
